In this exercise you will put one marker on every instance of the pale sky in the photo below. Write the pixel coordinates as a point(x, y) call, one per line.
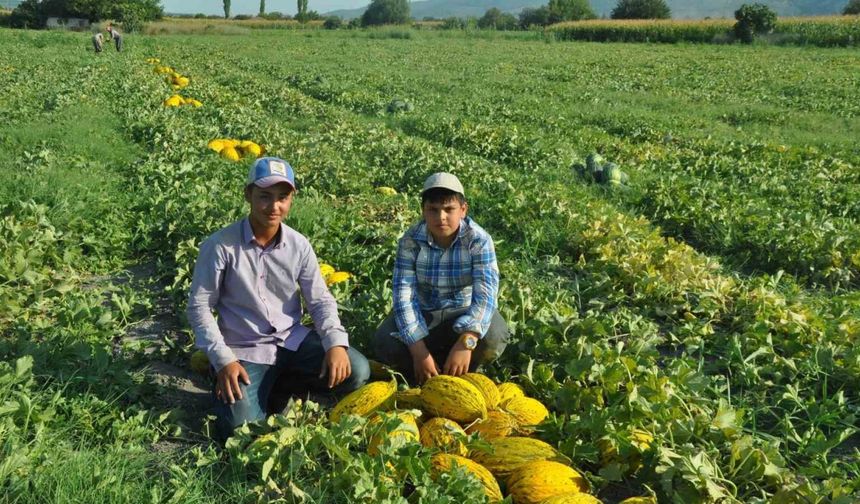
point(253, 6)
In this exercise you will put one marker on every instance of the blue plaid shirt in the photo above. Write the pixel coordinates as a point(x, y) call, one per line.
point(428, 277)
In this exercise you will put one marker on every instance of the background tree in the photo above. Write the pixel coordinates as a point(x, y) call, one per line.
point(302, 10)
point(641, 9)
point(534, 17)
point(332, 23)
point(131, 13)
point(497, 20)
point(226, 9)
point(27, 15)
point(262, 8)
point(381, 12)
point(853, 7)
point(753, 20)
point(569, 10)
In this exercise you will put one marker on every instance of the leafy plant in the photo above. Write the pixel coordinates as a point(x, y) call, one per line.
point(752, 20)
point(641, 9)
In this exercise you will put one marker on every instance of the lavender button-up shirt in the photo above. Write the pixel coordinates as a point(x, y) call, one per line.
point(256, 294)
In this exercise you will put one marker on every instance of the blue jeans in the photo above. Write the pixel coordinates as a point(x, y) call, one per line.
point(390, 350)
point(302, 367)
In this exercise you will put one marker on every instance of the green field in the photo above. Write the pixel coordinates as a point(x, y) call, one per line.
point(711, 302)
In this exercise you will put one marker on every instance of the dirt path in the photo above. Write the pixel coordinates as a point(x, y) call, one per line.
point(177, 387)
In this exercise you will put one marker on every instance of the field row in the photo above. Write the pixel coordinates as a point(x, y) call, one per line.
point(616, 327)
point(622, 269)
point(767, 203)
point(841, 31)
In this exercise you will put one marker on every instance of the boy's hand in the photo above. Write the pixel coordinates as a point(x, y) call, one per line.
point(423, 362)
point(227, 383)
point(458, 360)
point(336, 365)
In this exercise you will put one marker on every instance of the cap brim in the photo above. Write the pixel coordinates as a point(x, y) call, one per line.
point(443, 186)
point(272, 180)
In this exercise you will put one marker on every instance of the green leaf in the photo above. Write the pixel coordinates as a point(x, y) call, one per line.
point(726, 420)
point(23, 366)
point(267, 467)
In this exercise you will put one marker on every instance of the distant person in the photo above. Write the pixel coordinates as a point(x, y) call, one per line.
point(116, 36)
point(98, 41)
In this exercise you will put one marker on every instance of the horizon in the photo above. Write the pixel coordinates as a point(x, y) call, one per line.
point(252, 7)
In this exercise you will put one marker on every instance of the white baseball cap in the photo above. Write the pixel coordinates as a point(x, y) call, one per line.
point(442, 180)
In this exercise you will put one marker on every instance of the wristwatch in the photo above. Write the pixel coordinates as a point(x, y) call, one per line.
point(469, 341)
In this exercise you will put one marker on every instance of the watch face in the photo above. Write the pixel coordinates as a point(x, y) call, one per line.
point(471, 343)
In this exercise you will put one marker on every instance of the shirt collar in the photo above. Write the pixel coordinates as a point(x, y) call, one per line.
point(421, 233)
point(248, 234)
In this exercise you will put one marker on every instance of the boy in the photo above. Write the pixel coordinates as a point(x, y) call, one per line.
point(254, 273)
point(446, 282)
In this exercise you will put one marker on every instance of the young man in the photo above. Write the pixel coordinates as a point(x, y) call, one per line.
point(254, 274)
point(116, 36)
point(446, 282)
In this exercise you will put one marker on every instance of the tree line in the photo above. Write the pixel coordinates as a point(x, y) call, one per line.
point(131, 13)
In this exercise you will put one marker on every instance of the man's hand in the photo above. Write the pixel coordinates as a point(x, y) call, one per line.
point(336, 365)
point(423, 362)
point(458, 359)
point(227, 383)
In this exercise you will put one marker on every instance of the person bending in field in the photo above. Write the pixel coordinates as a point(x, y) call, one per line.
point(254, 273)
point(98, 41)
point(446, 282)
point(116, 36)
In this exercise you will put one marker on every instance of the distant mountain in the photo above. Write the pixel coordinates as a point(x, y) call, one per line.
point(682, 9)
point(448, 8)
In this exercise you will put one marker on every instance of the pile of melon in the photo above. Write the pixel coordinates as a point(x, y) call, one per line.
point(599, 170)
point(179, 100)
point(234, 150)
point(445, 410)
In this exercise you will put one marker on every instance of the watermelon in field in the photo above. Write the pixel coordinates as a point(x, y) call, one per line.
point(395, 106)
point(594, 162)
point(612, 174)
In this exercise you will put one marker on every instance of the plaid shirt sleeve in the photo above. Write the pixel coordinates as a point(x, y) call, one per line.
point(485, 288)
point(411, 326)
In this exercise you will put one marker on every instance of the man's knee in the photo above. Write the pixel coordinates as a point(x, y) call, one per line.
point(493, 343)
point(230, 416)
point(360, 372)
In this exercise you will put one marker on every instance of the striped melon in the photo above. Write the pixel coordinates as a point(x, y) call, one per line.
point(406, 431)
point(454, 398)
point(508, 391)
point(526, 411)
point(442, 434)
point(444, 462)
point(497, 424)
point(364, 401)
point(573, 498)
point(536, 481)
point(487, 388)
point(506, 454)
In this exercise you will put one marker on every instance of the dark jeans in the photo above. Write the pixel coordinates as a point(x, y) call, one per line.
point(301, 367)
point(118, 42)
point(390, 350)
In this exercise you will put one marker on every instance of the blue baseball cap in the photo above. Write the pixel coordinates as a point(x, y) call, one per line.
point(268, 171)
